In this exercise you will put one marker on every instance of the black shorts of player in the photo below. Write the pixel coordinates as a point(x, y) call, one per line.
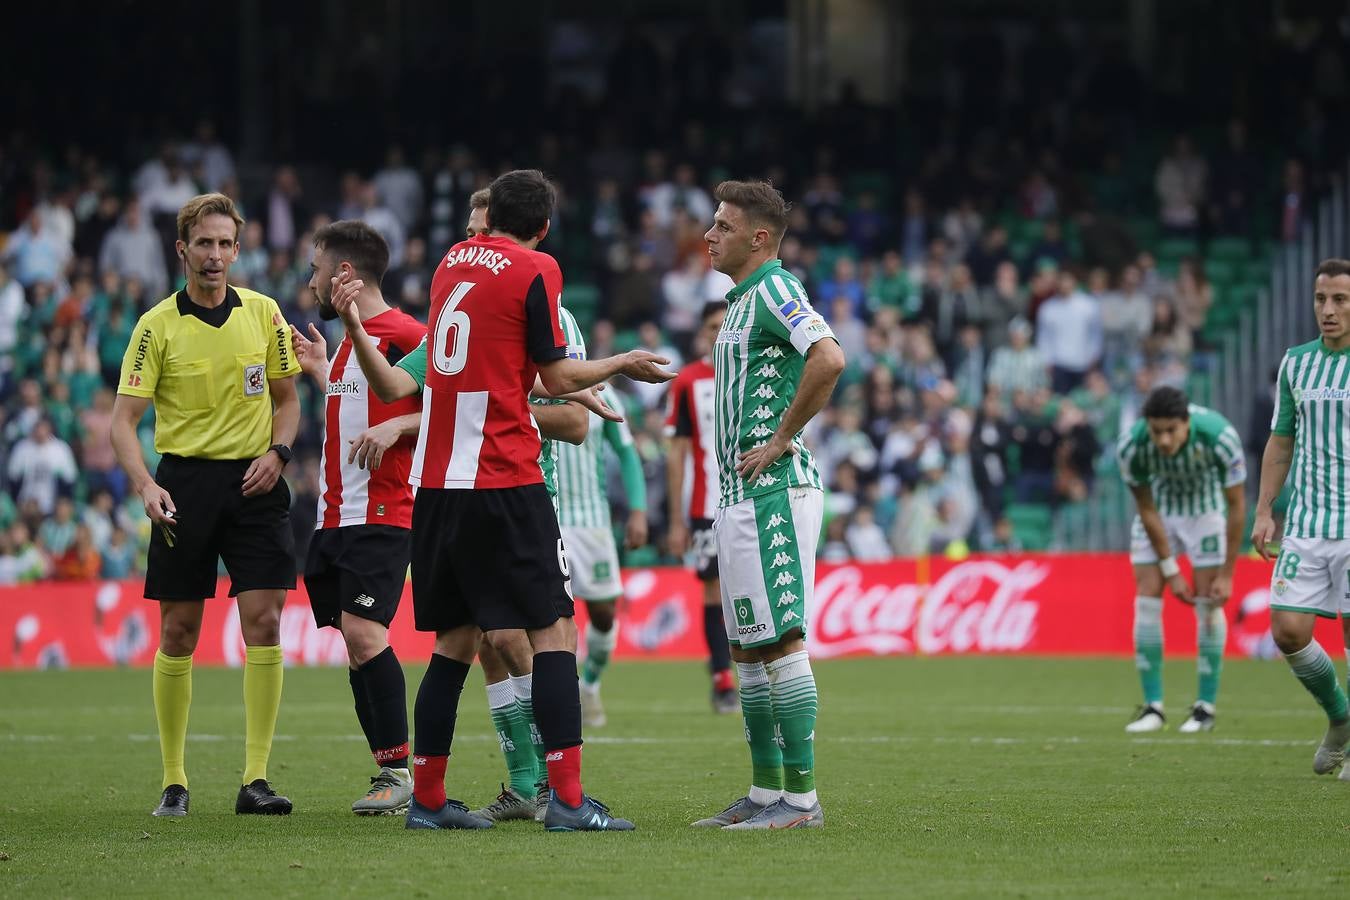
point(703, 544)
point(252, 535)
point(359, 569)
point(491, 558)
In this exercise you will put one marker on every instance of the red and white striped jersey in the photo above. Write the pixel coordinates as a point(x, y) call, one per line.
point(352, 495)
point(690, 412)
point(494, 318)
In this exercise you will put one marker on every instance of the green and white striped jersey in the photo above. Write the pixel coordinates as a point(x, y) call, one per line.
point(582, 499)
point(1190, 483)
point(548, 458)
point(757, 364)
point(1312, 405)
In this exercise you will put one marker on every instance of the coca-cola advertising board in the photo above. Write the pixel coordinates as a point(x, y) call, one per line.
point(1044, 604)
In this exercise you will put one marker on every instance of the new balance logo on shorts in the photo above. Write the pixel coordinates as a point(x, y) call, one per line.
point(364, 600)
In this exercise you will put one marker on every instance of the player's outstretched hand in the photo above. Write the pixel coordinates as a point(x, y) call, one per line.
point(590, 398)
point(641, 365)
point(311, 352)
point(344, 300)
point(369, 447)
point(1263, 533)
point(262, 474)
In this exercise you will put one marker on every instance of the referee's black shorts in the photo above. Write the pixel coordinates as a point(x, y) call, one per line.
point(492, 558)
point(215, 520)
point(357, 569)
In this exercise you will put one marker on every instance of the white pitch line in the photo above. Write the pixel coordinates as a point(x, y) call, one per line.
point(972, 740)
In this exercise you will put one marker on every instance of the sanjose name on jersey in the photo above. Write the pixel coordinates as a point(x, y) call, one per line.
point(490, 259)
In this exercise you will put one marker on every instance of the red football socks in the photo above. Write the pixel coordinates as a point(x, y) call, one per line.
point(564, 774)
point(429, 780)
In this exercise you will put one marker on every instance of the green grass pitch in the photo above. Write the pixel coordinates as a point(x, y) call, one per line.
point(939, 777)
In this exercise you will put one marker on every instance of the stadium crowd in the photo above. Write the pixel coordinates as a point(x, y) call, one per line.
point(1004, 304)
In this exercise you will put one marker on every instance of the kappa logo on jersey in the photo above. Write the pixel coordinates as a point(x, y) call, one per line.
point(784, 579)
point(761, 431)
point(364, 600)
point(768, 370)
point(764, 392)
point(766, 480)
point(772, 352)
point(761, 412)
point(787, 598)
point(780, 559)
point(789, 616)
point(255, 381)
point(775, 521)
point(779, 540)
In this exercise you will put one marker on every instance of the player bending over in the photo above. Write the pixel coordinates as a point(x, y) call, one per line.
point(1186, 468)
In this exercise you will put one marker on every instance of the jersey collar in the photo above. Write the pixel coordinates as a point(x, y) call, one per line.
point(214, 317)
point(753, 279)
point(1327, 351)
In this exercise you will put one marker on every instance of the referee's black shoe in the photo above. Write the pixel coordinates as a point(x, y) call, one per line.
point(174, 802)
point(258, 799)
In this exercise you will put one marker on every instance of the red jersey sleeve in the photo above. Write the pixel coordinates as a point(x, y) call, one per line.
point(679, 418)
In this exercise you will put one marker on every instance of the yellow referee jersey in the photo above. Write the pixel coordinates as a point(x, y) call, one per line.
point(206, 371)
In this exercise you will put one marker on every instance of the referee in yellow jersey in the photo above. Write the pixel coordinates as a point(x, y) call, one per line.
point(216, 361)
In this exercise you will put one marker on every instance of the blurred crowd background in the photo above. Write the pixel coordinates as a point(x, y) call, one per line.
point(1013, 251)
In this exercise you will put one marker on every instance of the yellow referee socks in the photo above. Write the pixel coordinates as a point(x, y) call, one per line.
point(262, 698)
point(173, 697)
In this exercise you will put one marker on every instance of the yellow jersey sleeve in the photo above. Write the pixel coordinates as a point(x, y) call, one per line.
point(281, 361)
point(143, 361)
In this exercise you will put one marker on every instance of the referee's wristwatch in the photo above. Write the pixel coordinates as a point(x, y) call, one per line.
point(282, 451)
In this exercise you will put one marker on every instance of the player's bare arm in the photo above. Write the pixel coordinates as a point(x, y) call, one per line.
point(389, 383)
point(677, 533)
point(1221, 588)
point(263, 472)
point(368, 448)
point(127, 414)
point(567, 422)
point(312, 353)
point(1152, 521)
point(566, 376)
point(1275, 463)
point(824, 365)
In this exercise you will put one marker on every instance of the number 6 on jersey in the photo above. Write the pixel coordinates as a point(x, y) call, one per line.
point(452, 333)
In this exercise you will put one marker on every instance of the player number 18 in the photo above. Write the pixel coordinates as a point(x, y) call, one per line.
point(450, 343)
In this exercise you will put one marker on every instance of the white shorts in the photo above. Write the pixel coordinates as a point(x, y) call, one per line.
point(766, 554)
point(1202, 538)
point(594, 562)
point(1312, 575)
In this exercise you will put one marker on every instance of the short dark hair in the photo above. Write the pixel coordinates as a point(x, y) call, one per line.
point(1332, 267)
point(479, 199)
point(357, 243)
point(712, 308)
point(1167, 403)
point(762, 203)
point(520, 203)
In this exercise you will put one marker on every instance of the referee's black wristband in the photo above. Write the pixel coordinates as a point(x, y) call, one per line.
point(284, 452)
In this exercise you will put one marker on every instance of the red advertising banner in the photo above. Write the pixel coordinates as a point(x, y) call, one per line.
point(1036, 604)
